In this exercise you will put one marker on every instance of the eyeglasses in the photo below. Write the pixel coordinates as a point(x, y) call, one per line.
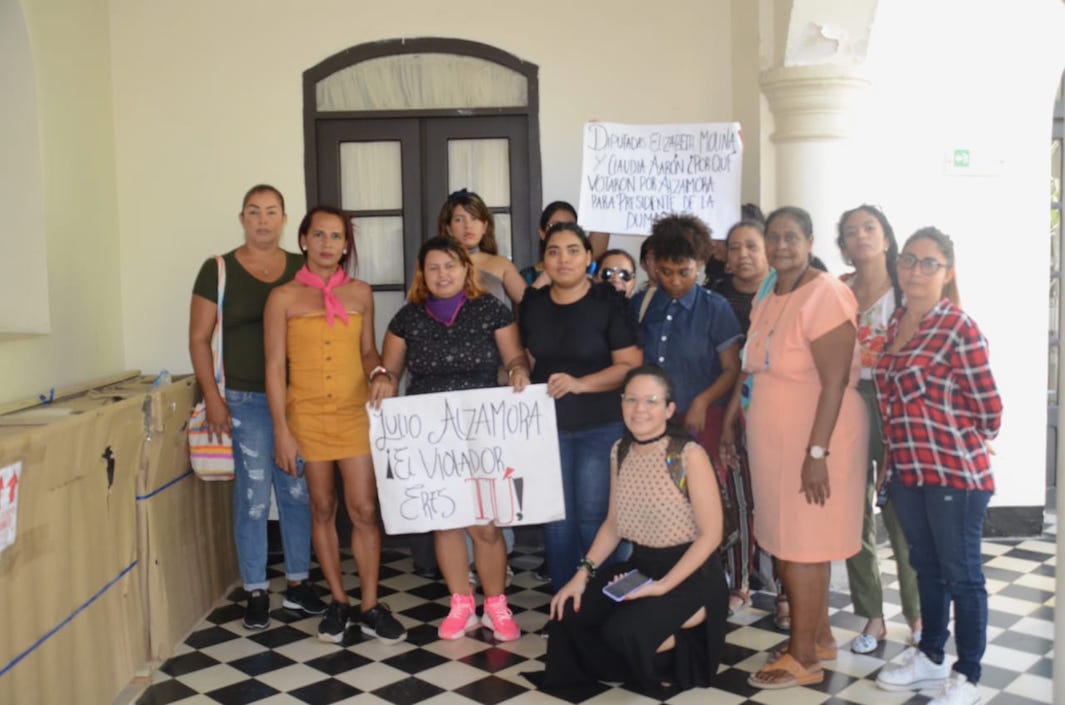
point(633, 400)
point(929, 265)
point(622, 274)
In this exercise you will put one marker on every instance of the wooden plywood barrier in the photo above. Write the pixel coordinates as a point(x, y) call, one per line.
point(119, 549)
point(72, 609)
point(187, 552)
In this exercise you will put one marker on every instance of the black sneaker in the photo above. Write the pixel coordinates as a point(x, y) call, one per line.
point(378, 622)
point(332, 626)
point(303, 597)
point(257, 614)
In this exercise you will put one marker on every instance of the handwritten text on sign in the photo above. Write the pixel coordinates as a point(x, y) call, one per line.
point(455, 459)
point(633, 174)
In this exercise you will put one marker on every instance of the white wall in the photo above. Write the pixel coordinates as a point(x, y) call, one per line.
point(72, 63)
point(980, 76)
point(23, 265)
point(208, 101)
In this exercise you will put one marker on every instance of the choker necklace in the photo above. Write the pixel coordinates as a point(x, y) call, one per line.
point(473, 250)
point(649, 441)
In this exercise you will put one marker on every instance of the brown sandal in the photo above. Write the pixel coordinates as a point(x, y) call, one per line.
point(786, 663)
point(824, 653)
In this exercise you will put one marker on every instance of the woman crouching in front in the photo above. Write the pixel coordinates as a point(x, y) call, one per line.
point(668, 634)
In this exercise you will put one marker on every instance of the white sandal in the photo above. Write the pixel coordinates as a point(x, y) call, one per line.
point(865, 643)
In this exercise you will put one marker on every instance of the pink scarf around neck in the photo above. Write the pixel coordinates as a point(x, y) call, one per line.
point(333, 307)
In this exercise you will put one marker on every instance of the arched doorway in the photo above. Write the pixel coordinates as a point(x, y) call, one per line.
point(390, 128)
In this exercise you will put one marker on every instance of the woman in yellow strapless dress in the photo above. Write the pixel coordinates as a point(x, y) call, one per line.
point(327, 389)
point(319, 328)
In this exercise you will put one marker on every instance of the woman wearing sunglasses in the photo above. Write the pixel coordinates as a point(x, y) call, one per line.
point(617, 268)
point(940, 407)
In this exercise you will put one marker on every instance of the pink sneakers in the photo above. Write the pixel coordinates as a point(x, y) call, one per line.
point(462, 617)
point(497, 617)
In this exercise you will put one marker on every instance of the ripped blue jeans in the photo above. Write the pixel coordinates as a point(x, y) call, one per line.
point(256, 473)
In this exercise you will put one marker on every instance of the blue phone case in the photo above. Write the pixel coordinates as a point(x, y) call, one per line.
point(628, 583)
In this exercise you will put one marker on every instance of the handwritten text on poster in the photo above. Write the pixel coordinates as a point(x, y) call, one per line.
point(633, 174)
point(456, 459)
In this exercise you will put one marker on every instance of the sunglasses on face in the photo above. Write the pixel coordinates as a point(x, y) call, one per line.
point(623, 274)
point(929, 265)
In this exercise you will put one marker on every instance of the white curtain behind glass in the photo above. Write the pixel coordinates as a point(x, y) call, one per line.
point(483, 166)
point(422, 82)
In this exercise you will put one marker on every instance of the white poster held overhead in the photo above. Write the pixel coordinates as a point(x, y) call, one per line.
point(455, 459)
point(10, 476)
point(633, 174)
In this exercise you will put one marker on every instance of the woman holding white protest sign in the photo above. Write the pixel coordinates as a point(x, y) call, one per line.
point(452, 336)
point(583, 339)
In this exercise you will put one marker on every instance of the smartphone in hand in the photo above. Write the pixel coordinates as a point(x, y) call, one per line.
point(628, 583)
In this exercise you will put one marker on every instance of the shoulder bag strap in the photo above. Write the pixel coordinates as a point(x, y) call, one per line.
point(646, 302)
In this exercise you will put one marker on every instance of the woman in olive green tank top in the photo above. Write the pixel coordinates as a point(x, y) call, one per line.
point(253, 270)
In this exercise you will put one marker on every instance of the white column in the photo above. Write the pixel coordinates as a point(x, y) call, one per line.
point(814, 161)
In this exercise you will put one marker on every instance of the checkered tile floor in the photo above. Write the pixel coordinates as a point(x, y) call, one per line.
point(221, 662)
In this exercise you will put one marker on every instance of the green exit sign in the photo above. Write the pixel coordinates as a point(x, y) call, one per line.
point(961, 158)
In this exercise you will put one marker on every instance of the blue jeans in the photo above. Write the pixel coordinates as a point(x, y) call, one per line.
point(943, 527)
point(256, 472)
point(585, 457)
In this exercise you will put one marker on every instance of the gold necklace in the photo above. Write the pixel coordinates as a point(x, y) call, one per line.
point(264, 268)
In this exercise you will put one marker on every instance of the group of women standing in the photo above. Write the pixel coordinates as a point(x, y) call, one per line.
point(824, 361)
point(874, 382)
point(308, 336)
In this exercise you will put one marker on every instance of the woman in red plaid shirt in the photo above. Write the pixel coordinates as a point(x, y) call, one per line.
point(939, 403)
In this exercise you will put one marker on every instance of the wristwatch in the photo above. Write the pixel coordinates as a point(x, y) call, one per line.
point(817, 452)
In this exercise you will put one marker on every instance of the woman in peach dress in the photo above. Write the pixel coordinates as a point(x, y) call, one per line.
point(806, 439)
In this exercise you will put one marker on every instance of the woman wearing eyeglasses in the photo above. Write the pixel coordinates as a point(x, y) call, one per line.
point(669, 633)
point(617, 268)
point(940, 407)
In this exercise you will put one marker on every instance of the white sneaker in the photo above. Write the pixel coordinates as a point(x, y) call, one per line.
point(914, 671)
point(958, 690)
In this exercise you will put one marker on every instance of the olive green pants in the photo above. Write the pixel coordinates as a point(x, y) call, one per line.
point(863, 569)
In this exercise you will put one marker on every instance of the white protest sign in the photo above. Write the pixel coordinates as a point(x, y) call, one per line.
point(10, 476)
point(633, 174)
point(455, 459)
